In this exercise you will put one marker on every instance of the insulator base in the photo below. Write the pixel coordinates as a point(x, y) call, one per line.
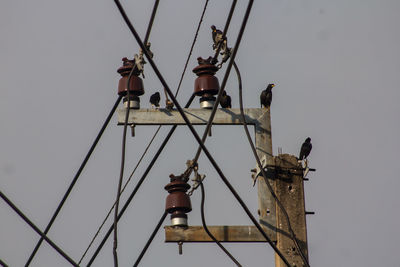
point(207, 102)
point(179, 219)
point(134, 102)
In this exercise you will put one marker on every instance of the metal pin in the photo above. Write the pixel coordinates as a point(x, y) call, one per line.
point(310, 212)
point(133, 130)
point(180, 243)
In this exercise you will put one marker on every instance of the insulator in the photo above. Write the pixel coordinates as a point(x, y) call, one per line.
point(206, 85)
point(136, 83)
point(178, 202)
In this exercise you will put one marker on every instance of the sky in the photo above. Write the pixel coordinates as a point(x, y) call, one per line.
point(336, 67)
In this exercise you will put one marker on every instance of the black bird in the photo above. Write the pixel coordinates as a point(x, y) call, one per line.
point(216, 36)
point(305, 149)
point(225, 100)
point(155, 100)
point(266, 96)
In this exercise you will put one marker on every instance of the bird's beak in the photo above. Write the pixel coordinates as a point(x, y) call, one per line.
point(273, 85)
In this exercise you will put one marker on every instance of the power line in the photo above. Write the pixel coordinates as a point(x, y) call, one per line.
point(292, 234)
point(203, 220)
point(153, 234)
point(191, 48)
point(141, 180)
point(123, 189)
point(115, 244)
point(37, 230)
point(74, 180)
point(190, 126)
point(155, 134)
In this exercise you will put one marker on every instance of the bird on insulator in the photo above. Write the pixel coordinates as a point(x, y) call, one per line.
point(225, 100)
point(155, 100)
point(216, 36)
point(266, 96)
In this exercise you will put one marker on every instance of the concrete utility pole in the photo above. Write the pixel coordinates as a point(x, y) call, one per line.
point(284, 174)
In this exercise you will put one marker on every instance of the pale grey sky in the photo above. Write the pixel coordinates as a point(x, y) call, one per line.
point(336, 68)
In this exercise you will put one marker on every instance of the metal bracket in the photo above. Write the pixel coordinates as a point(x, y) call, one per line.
point(257, 170)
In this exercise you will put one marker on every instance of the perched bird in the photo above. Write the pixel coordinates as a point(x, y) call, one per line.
point(266, 96)
point(155, 100)
point(305, 149)
point(216, 36)
point(225, 100)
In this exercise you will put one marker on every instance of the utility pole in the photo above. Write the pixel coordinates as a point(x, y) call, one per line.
point(285, 175)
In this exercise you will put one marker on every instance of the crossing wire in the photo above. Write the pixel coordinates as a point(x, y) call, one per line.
point(74, 180)
point(115, 244)
point(153, 234)
point(203, 221)
point(155, 134)
point(37, 230)
point(292, 234)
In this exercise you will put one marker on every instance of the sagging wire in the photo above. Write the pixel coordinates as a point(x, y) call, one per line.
point(155, 134)
point(74, 180)
point(141, 180)
point(203, 221)
point(189, 124)
point(123, 189)
point(115, 243)
point(37, 230)
point(292, 234)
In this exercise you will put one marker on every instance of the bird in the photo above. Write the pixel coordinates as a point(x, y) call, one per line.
point(155, 100)
point(266, 96)
point(305, 149)
point(216, 36)
point(225, 100)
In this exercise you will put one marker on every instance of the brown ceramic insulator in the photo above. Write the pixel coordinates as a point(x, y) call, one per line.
point(136, 83)
point(206, 83)
point(177, 200)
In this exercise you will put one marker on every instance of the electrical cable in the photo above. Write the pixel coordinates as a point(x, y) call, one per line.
point(177, 91)
point(228, 21)
point(37, 230)
point(292, 234)
point(155, 157)
point(153, 234)
point(3, 264)
point(115, 244)
point(74, 180)
point(123, 189)
point(190, 126)
point(203, 220)
point(191, 48)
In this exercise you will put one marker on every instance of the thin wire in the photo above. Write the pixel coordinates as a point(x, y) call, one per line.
point(74, 180)
point(224, 81)
point(155, 134)
point(191, 48)
point(190, 126)
point(228, 21)
point(183, 73)
point(153, 234)
point(293, 236)
point(203, 220)
point(2, 263)
point(37, 230)
point(160, 149)
point(123, 189)
point(115, 244)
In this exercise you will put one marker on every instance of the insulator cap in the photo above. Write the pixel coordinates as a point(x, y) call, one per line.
point(206, 83)
point(136, 83)
point(177, 200)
